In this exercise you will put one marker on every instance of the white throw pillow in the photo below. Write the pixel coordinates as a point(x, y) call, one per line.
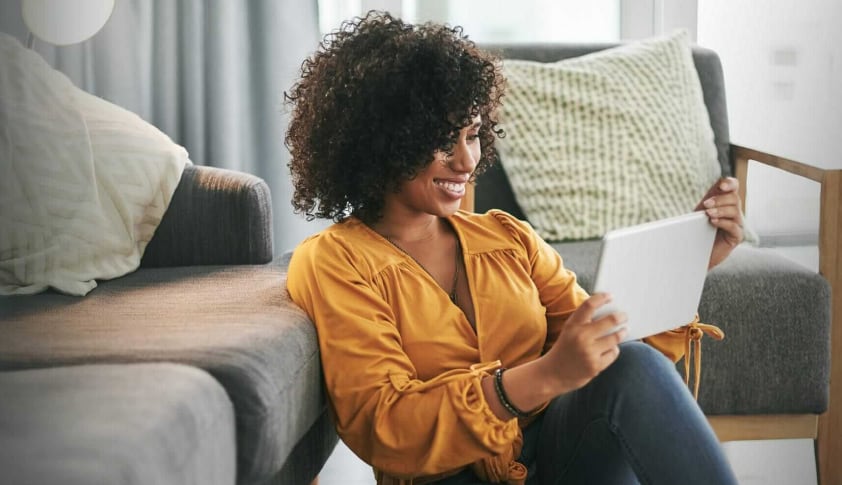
point(607, 140)
point(83, 182)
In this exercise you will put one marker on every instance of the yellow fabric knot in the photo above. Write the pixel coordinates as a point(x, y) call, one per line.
point(686, 342)
point(503, 468)
point(511, 473)
point(695, 330)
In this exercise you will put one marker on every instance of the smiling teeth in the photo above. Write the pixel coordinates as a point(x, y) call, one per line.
point(451, 186)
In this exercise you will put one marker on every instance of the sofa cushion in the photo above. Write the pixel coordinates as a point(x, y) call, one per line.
point(776, 354)
point(610, 139)
point(83, 183)
point(235, 322)
point(758, 368)
point(129, 424)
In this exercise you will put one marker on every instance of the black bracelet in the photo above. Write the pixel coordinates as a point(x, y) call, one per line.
point(504, 399)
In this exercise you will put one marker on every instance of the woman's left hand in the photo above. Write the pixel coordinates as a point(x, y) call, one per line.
point(722, 205)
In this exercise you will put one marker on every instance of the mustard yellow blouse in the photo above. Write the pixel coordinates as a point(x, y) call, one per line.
point(401, 362)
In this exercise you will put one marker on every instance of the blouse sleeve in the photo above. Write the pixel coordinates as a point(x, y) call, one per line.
point(394, 421)
point(559, 291)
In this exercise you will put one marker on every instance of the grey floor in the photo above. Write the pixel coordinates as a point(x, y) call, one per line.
point(778, 462)
point(344, 468)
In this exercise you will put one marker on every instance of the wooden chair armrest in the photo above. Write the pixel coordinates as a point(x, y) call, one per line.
point(830, 266)
point(740, 156)
point(830, 180)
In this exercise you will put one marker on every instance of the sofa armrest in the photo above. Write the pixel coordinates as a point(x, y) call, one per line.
point(216, 216)
point(830, 266)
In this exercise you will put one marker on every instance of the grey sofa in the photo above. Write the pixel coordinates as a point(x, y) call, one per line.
point(770, 377)
point(196, 368)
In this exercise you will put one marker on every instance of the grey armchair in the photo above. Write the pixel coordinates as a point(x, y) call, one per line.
point(773, 376)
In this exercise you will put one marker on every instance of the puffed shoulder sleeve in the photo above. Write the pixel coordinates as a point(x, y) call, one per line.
point(557, 286)
point(388, 416)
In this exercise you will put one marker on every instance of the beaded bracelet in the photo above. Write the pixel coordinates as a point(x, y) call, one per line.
point(504, 399)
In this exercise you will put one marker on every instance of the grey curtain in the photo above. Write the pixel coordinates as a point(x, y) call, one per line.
point(209, 73)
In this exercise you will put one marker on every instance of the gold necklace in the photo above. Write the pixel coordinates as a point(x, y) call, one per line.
point(452, 293)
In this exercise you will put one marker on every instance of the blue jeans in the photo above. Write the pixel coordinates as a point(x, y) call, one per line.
point(635, 423)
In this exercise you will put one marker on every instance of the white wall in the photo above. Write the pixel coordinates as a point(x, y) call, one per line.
point(783, 73)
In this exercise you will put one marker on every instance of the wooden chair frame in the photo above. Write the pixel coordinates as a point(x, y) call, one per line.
point(826, 428)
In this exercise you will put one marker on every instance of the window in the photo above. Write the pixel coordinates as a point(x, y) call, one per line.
point(496, 20)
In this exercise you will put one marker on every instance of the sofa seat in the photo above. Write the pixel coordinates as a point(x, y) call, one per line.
point(161, 423)
point(751, 371)
point(234, 321)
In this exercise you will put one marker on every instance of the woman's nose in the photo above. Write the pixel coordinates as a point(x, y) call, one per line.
point(463, 158)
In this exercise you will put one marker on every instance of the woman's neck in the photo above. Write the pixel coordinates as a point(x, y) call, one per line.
point(409, 230)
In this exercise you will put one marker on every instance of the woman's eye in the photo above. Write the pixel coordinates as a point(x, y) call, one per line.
point(472, 137)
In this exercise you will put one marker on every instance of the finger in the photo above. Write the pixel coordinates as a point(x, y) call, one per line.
point(609, 356)
point(722, 200)
point(584, 314)
point(712, 191)
point(615, 335)
point(608, 326)
point(725, 212)
point(726, 186)
point(734, 233)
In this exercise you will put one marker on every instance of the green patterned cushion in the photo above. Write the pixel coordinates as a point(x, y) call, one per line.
point(610, 139)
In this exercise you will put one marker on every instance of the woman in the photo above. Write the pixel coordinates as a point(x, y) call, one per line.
point(456, 347)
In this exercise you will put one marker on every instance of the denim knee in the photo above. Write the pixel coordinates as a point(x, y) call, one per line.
point(636, 415)
point(641, 366)
point(637, 356)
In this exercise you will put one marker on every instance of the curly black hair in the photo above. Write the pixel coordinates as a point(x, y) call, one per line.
point(375, 102)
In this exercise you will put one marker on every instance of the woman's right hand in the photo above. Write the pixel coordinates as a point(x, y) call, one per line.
point(585, 347)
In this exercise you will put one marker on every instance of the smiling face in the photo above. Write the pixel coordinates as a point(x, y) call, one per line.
point(439, 188)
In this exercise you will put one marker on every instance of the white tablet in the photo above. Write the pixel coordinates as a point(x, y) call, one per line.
point(655, 272)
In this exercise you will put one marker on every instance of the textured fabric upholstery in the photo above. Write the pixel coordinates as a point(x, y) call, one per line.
point(706, 61)
point(776, 354)
point(619, 137)
point(309, 454)
point(581, 257)
point(119, 424)
point(235, 322)
point(216, 216)
point(493, 188)
point(775, 314)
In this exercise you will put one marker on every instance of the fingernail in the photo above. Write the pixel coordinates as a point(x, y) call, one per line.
point(709, 203)
point(712, 212)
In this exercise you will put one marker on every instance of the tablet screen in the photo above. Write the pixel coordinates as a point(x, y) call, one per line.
point(655, 272)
